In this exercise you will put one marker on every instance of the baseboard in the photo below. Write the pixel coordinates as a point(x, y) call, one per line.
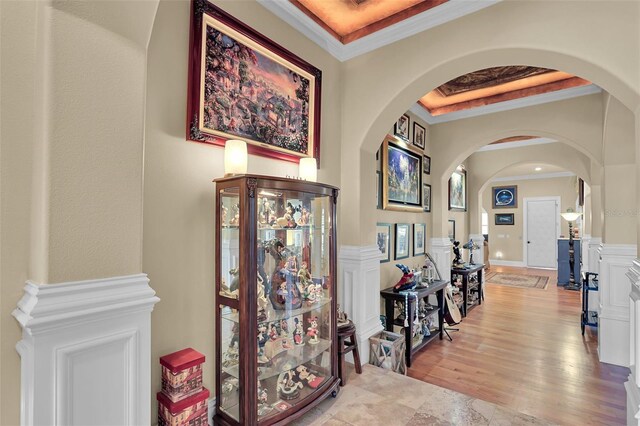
point(212, 409)
point(514, 263)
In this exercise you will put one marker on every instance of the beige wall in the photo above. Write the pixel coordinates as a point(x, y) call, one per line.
point(178, 249)
point(507, 239)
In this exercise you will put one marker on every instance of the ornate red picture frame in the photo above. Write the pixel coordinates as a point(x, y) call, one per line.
point(244, 86)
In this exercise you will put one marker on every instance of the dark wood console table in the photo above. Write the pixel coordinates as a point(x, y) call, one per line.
point(437, 288)
point(464, 272)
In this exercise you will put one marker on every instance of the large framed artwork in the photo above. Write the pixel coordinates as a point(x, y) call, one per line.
point(401, 128)
point(426, 197)
point(458, 191)
point(419, 135)
point(244, 86)
point(419, 234)
point(383, 240)
point(402, 241)
point(401, 176)
point(505, 196)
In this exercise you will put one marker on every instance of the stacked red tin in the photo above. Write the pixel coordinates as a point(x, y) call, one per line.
point(183, 399)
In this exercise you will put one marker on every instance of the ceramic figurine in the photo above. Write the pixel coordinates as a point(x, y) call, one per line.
point(263, 302)
point(341, 317)
point(407, 281)
point(235, 281)
point(226, 291)
point(262, 340)
point(287, 221)
point(273, 332)
point(298, 332)
point(266, 211)
point(263, 407)
point(310, 294)
point(288, 385)
point(284, 328)
point(292, 264)
point(285, 294)
point(304, 276)
point(312, 331)
point(224, 215)
point(305, 217)
point(319, 291)
point(305, 376)
point(235, 220)
point(456, 251)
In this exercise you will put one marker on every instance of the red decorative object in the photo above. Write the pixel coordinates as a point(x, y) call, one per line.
point(193, 410)
point(182, 374)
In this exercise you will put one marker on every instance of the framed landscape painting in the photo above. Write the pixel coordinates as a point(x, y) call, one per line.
point(383, 240)
point(505, 196)
point(401, 176)
point(504, 219)
point(419, 233)
point(244, 86)
point(458, 191)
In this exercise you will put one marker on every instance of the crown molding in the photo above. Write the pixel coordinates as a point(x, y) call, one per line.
point(533, 177)
point(453, 9)
point(516, 144)
point(559, 95)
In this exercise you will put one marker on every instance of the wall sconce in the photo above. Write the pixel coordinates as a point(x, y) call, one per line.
point(308, 169)
point(235, 157)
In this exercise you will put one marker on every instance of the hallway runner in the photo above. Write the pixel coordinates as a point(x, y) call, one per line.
point(514, 280)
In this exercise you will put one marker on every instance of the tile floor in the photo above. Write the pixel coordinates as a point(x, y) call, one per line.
point(381, 397)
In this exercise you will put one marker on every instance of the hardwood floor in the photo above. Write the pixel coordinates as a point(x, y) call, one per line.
point(522, 349)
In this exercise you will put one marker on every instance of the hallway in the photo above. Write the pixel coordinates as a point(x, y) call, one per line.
point(522, 349)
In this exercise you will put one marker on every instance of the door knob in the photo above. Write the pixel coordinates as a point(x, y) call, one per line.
point(528, 242)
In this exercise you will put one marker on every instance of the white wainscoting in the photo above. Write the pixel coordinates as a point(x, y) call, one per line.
point(593, 254)
point(440, 249)
point(613, 292)
point(359, 271)
point(478, 255)
point(514, 263)
point(632, 386)
point(86, 352)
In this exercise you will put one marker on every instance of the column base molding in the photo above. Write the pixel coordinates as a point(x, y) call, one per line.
point(615, 260)
point(359, 270)
point(86, 351)
point(633, 399)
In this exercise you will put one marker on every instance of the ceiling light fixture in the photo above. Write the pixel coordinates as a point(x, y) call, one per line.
point(537, 169)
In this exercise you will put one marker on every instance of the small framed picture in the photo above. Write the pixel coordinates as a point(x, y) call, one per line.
point(419, 234)
point(401, 128)
point(458, 191)
point(504, 219)
point(452, 230)
point(505, 197)
point(426, 164)
point(426, 197)
point(378, 189)
point(383, 240)
point(419, 135)
point(402, 241)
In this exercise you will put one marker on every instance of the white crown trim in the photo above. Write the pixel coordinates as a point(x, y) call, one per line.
point(558, 95)
point(431, 18)
point(532, 177)
point(47, 306)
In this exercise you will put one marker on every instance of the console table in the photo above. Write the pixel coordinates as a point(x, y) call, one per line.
point(390, 297)
point(464, 272)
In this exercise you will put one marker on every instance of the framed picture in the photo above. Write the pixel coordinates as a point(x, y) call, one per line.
point(452, 230)
point(426, 197)
point(401, 176)
point(458, 191)
point(378, 187)
point(401, 128)
point(419, 135)
point(419, 235)
point(505, 196)
point(580, 192)
point(244, 86)
point(383, 240)
point(504, 219)
point(402, 241)
point(426, 164)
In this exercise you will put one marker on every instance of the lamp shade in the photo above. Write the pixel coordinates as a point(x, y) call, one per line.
point(308, 169)
point(235, 157)
point(570, 216)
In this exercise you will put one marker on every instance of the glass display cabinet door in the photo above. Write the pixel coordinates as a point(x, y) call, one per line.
point(229, 243)
point(230, 383)
point(294, 329)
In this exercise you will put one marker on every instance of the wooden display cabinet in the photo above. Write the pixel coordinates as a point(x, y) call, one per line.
point(276, 298)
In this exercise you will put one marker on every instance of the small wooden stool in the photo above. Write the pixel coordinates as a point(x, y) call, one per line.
point(344, 347)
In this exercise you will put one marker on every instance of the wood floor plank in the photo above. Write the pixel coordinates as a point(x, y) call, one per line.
point(522, 348)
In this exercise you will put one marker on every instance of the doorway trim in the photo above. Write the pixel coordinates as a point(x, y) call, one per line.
point(525, 228)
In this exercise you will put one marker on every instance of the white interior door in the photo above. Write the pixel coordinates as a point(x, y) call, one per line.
point(542, 218)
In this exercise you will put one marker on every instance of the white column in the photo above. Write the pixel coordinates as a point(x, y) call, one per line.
point(613, 315)
point(441, 252)
point(86, 351)
point(359, 270)
point(478, 255)
point(632, 386)
point(584, 255)
point(594, 255)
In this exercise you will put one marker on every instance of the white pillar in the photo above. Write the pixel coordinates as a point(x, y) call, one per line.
point(478, 255)
point(441, 252)
point(632, 386)
point(594, 254)
point(359, 270)
point(613, 315)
